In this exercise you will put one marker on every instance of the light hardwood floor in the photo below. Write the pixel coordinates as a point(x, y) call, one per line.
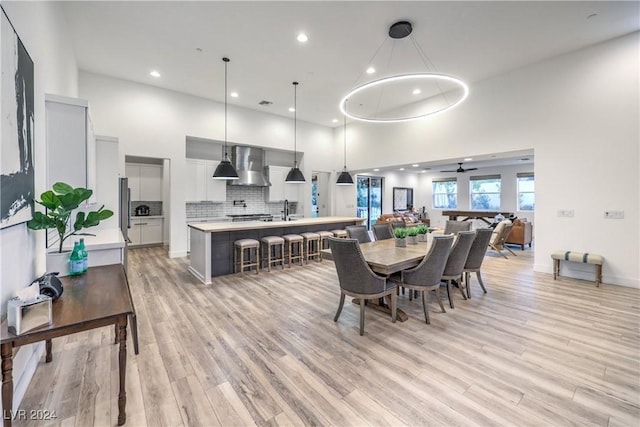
point(263, 349)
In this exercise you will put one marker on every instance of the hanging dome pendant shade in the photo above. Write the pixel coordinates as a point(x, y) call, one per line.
point(345, 177)
point(295, 175)
point(225, 169)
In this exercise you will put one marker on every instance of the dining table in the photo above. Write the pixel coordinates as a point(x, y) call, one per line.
point(385, 258)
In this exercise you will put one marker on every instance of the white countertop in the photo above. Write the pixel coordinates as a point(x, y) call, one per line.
point(147, 216)
point(209, 219)
point(215, 227)
point(110, 238)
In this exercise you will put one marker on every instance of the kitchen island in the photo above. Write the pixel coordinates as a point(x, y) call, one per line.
point(212, 242)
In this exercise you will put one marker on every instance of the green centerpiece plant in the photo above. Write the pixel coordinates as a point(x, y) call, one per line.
point(60, 202)
point(412, 235)
point(422, 232)
point(401, 236)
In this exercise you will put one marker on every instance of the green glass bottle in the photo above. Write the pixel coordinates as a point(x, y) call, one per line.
point(85, 255)
point(75, 261)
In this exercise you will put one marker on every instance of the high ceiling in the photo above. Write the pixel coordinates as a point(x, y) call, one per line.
point(185, 42)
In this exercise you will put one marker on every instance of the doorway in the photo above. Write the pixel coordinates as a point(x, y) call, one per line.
point(369, 199)
point(319, 193)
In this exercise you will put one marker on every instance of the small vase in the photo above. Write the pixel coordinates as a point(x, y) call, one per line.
point(401, 243)
point(412, 240)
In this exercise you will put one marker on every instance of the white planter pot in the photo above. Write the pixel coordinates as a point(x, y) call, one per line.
point(58, 262)
point(401, 243)
point(422, 237)
point(412, 240)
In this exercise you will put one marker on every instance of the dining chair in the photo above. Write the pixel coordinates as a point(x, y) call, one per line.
point(398, 224)
point(358, 232)
point(498, 238)
point(475, 258)
point(457, 259)
point(357, 279)
point(426, 276)
point(454, 227)
point(382, 231)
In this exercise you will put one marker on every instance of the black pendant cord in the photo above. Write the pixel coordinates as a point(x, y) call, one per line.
point(345, 136)
point(295, 124)
point(226, 61)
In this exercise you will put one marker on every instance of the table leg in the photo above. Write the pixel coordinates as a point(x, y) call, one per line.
point(7, 383)
point(122, 355)
point(49, 356)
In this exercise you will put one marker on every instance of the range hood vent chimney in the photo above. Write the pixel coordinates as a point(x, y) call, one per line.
point(249, 162)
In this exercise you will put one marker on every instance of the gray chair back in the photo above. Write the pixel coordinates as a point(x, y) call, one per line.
point(478, 248)
point(358, 232)
point(459, 253)
point(382, 231)
point(398, 224)
point(455, 227)
point(429, 271)
point(354, 273)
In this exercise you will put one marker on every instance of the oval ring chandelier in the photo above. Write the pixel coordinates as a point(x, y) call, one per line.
point(401, 30)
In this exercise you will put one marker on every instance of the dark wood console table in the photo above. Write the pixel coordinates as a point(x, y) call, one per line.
point(481, 215)
point(98, 298)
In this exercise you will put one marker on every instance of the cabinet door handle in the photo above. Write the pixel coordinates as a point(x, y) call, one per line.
point(143, 223)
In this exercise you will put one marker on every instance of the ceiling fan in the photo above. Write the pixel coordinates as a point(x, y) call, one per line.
point(461, 169)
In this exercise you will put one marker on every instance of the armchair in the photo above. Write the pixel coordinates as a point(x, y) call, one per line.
point(521, 234)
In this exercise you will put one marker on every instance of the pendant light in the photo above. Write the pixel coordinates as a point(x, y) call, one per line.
point(345, 177)
point(295, 175)
point(225, 169)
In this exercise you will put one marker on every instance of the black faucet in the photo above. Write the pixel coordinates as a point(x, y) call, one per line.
point(285, 212)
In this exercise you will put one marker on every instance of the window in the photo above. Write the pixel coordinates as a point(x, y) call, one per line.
point(485, 192)
point(445, 193)
point(526, 192)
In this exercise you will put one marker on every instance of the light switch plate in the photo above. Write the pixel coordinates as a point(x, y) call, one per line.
point(567, 213)
point(614, 214)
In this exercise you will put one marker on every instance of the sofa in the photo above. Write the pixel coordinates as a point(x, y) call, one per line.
point(521, 233)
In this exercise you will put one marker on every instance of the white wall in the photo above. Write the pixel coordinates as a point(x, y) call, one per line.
point(580, 114)
point(154, 122)
point(41, 27)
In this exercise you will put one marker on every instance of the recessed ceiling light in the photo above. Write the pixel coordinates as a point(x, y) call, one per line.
point(155, 73)
point(335, 120)
point(291, 109)
point(302, 38)
point(376, 170)
point(415, 165)
point(401, 169)
point(417, 92)
point(468, 159)
point(234, 94)
point(371, 70)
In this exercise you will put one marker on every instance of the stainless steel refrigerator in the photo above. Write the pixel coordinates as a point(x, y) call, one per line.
point(125, 214)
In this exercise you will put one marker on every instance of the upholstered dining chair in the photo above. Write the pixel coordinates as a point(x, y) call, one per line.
point(382, 231)
point(426, 276)
point(457, 259)
point(455, 227)
point(498, 238)
point(357, 279)
point(475, 258)
point(358, 232)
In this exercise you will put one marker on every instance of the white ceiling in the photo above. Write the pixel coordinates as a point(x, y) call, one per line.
point(470, 40)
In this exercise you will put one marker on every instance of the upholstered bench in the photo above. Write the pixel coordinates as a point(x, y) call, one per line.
point(585, 258)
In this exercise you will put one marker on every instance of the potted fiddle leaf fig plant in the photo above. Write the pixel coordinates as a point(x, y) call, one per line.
point(60, 202)
point(401, 237)
point(412, 235)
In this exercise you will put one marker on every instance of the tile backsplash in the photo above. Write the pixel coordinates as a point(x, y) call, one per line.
point(254, 199)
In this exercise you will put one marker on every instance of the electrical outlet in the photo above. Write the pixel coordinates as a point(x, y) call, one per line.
point(567, 213)
point(614, 214)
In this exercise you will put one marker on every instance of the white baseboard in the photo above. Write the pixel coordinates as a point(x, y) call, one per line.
point(177, 254)
point(579, 271)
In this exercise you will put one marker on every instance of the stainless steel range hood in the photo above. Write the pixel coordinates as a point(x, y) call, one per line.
point(249, 162)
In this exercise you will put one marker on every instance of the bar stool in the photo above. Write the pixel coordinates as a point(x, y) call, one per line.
point(294, 242)
point(239, 247)
point(311, 245)
point(340, 234)
point(324, 238)
point(272, 245)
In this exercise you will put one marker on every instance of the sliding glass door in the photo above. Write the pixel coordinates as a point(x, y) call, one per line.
point(369, 199)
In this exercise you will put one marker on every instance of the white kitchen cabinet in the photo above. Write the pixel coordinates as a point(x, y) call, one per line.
point(146, 231)
point(145, 182)
point(279, 189)
point(200, 185)
point(70, 143)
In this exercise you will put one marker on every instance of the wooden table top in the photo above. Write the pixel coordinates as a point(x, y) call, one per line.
point(384, 257)
point(96, 298)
